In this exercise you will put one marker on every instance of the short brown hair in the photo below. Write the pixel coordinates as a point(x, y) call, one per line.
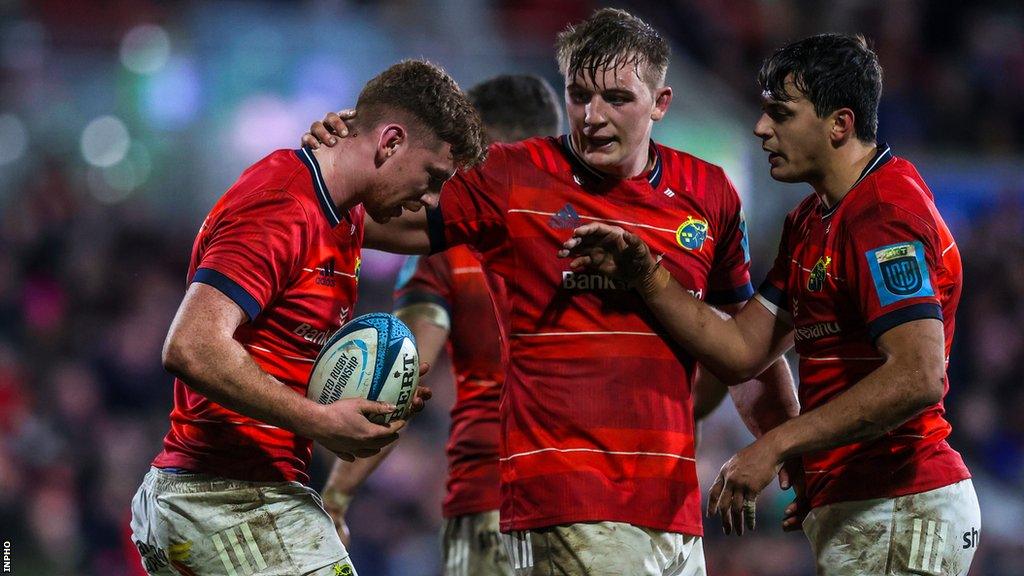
point(428, 94)
point(515, 107)
point(611, 38)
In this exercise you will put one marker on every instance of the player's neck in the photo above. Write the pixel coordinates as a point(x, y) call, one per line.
point(339, 167)
point(845, 167)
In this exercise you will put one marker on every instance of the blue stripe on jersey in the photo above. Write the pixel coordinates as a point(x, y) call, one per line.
point(730, 296)
point(887, 322)
point(230, 288)
point(774, 295)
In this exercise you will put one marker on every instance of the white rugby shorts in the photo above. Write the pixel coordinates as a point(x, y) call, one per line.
point(472, 546)
point(198, 525)
point(930, 533)
point(604, 549)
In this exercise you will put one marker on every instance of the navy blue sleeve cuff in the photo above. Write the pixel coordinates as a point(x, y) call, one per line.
point(730, 296)
point(411, 298)
point(230, 289)
point(887, 322)
point(435, 229)
point(774, 295)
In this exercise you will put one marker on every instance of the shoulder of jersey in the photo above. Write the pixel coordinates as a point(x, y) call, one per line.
point(898, 184)
point(545, 153)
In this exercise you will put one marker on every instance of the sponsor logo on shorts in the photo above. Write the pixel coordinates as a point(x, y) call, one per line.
point(238, 551)
point(971, 538)
point(343, 569)
point(153, 557)
point(692, 233)
point(818, 273)
point(819, 330)
point(925, 557)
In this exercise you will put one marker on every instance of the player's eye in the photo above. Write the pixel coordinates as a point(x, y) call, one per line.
point(579, 97)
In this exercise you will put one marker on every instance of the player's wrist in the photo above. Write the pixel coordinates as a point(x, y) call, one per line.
point(337, 500)
point(653, 280)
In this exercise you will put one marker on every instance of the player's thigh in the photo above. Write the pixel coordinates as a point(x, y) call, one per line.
point(604, 549)
point(471, 546)
point(934, 532)
point(201, 526)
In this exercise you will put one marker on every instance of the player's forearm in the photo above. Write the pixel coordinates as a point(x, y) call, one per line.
point(880, 402)
point(768, 400)
point(224, 372)
point(346, 477)
point(404, 235)
point(715, 340)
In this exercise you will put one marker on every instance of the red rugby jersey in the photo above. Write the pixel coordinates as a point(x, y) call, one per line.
point(277, 246)
point(455, 280)
point(596, 414)
point(879, 258)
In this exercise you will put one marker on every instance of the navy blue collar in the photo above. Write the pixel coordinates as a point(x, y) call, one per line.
point(319, 186)
point(883, 153)
point(591, 175)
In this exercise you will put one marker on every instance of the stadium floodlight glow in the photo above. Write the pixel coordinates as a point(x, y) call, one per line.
point(145, 49)
point(105, 141)
point(13, 138)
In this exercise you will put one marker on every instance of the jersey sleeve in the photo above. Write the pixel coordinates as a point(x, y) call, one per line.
point(729, 281)
point(472, 206)
point(772, 292)
point(424, 280)
point(251, 252)
point(892, 260)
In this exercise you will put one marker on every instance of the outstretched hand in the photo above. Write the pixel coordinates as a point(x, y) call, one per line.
point(609, 250)
point(734, 493)
point(328, 130)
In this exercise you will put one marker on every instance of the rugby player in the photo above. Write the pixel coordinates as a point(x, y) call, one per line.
point(273, 273)
point(596, 453)
point(867, 281)
point(446, 298)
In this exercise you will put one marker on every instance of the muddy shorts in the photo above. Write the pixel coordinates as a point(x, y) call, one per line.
point(934, 532)
point(195, 525)
point(472, 546)
point(604, 549)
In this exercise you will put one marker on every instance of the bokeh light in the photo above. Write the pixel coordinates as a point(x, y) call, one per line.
point(23, 45)
point(105, 141)
point(171, 97)
point(13, 138)
point(145, 49)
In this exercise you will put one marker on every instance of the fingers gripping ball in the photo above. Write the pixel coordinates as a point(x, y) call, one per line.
point(374, 357)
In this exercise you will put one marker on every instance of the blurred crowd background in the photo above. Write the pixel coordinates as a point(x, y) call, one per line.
point(121, 122)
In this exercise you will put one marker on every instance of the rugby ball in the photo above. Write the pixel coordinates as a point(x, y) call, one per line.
point(374, 357)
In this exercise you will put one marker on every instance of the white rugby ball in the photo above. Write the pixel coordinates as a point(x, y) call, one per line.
point(374, 357)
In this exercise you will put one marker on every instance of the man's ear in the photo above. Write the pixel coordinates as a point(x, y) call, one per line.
point(662, 99)
point(392, 138)
point(843, 126)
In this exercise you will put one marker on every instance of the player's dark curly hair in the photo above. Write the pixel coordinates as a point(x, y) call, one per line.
point(427, 93)
point(612, 38)
point(832, 71)
point(516, 107)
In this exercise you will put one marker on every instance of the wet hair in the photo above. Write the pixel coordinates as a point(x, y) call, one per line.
point(427, 94)
point(611, 38)
point(832, 71)
point(516, 107)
